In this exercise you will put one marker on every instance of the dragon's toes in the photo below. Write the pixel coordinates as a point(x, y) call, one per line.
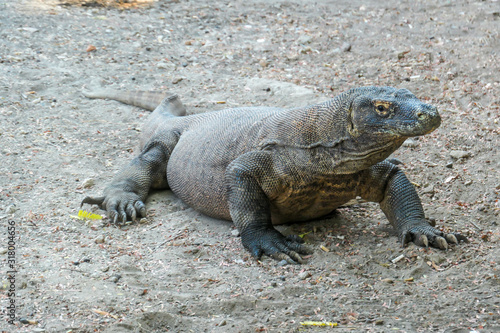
point(422, 234)
point(272, 243)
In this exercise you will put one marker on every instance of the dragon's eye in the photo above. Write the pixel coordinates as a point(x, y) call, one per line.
point(383, 108)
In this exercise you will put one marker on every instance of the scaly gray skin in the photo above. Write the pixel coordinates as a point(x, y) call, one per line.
point(261, 166)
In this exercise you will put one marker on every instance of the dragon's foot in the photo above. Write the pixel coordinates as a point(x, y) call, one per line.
point(423, 234)
point(120, 205)
point(271, 242)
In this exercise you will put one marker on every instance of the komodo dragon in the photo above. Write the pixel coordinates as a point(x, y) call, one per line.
point(260, 166)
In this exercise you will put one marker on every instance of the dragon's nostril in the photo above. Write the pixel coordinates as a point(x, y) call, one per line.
point(421, 115)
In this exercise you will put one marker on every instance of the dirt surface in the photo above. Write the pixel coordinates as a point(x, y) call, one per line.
point(180, 271)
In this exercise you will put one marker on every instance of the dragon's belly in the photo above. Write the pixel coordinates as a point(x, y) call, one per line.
point(199, 182)
point(312, 199)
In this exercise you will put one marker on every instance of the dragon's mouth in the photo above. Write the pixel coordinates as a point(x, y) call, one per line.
point(361, 155)
point(410, 128)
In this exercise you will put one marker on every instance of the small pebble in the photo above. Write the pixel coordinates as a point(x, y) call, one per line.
point(162, 65)
point(304, 275)
point(305, 50)
point(304, 39)
point(177, 80)
point(379, 322)
point(88, 183)
point(449, 165)
point(346, 47)
point(334, 51)
point(282, 278)
point(410, 143)
point(11, 209)
point(282, 263)
point(3, 250)
point(115, 278)
point(437, 258)
point(263, 63)
point(235, 233)
point(457, 154)
point(100, 239)
point(223, 323)
point(28, 321)
point(468, 182)
point(428, 189)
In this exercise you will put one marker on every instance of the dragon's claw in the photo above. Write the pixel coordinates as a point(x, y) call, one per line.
point(422, 234)
point(271, 242)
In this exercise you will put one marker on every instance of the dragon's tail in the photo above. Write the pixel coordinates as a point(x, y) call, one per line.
point(148, 100)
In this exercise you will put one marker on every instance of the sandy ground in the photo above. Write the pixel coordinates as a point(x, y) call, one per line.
point(180, 271)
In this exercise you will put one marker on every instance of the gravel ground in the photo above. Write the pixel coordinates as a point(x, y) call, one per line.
point(180, 271)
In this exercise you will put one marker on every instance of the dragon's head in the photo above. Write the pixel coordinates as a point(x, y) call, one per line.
point(392, 113)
